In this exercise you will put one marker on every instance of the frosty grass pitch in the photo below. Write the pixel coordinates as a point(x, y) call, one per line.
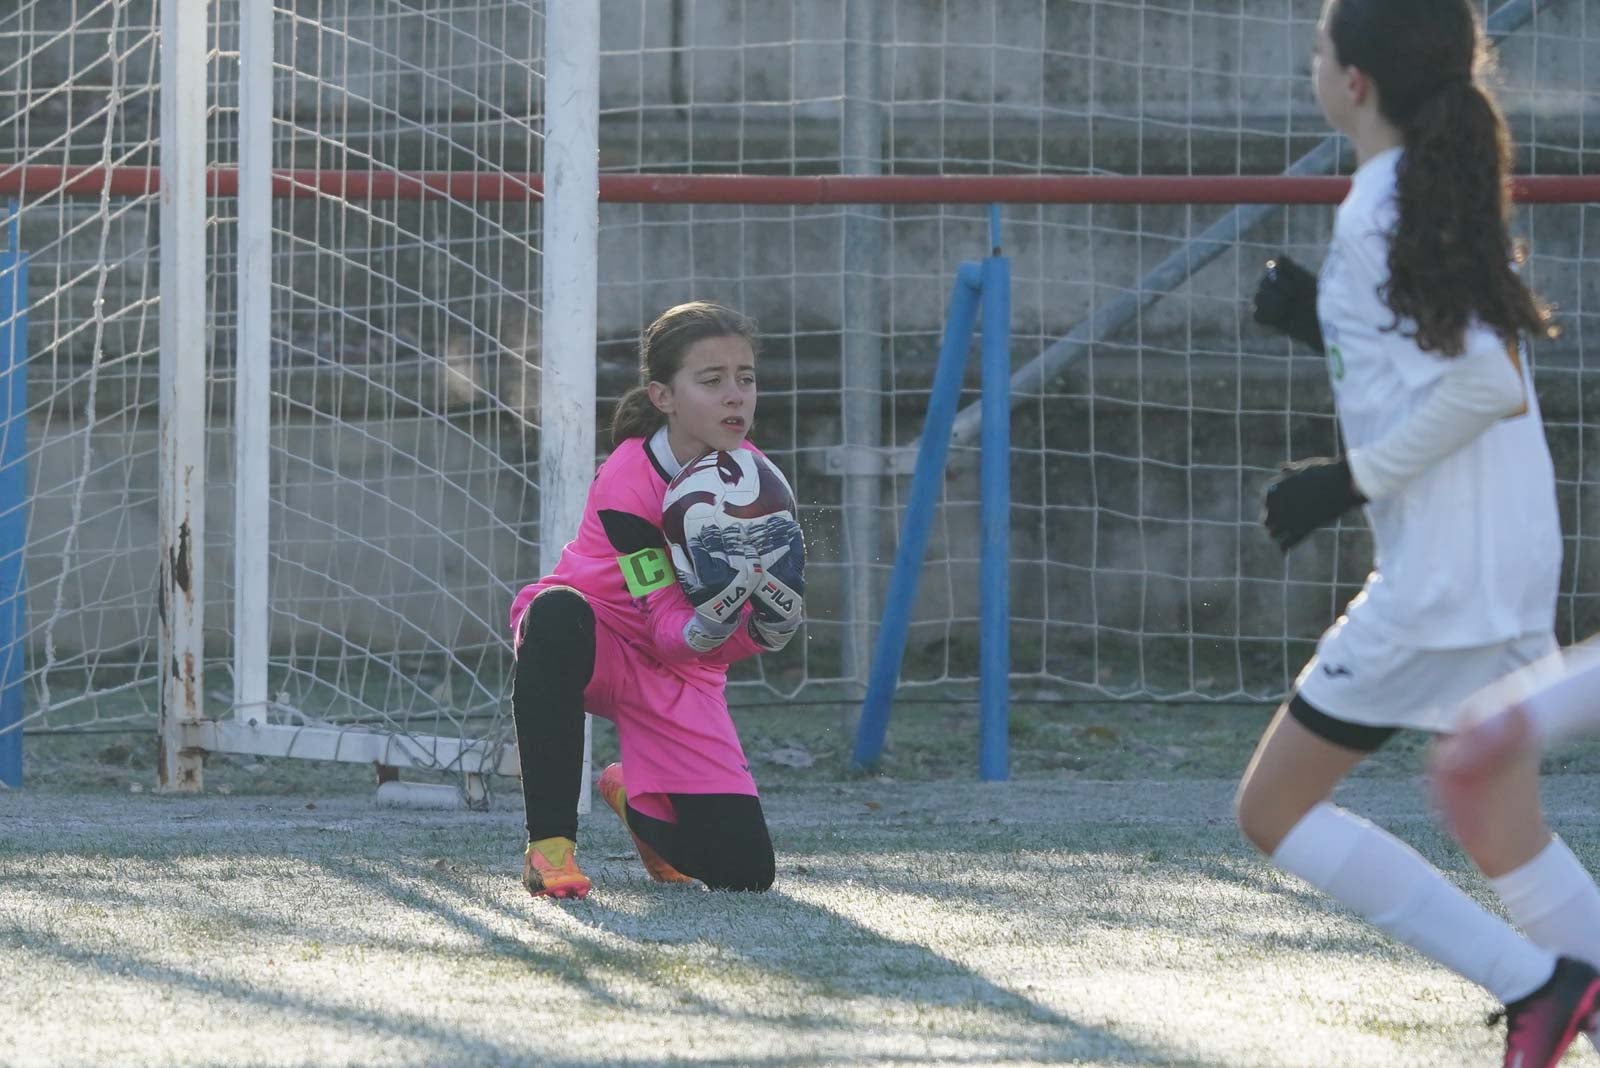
point(1030, 923)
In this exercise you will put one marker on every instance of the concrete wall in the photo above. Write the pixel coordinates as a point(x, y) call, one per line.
point(1054, 86)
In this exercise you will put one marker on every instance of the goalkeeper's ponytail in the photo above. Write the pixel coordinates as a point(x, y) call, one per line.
point(661, 353)
point(635, 416)
point(1450, 256)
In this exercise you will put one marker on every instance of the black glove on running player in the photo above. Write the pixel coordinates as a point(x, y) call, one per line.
point(1286, 300)
point(1308, 494)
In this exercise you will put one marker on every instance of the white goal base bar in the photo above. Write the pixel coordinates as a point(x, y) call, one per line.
point(350, 746)
point(472, 759)
point(433, 795)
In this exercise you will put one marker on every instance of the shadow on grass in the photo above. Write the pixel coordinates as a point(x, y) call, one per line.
point(630, 931)
point(823, 962)
point(778, 942)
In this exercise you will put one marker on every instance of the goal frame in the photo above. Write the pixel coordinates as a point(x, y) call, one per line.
point(567, 441)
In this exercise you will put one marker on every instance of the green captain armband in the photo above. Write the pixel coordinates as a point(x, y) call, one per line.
point(646, 571)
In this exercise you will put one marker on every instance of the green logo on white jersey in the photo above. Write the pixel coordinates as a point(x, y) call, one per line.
point(1336, 363)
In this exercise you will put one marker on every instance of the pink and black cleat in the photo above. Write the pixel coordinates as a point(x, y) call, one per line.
point(1541, 1026)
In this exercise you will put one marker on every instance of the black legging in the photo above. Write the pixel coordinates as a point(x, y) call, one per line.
point(720, 839)
point(554, 663)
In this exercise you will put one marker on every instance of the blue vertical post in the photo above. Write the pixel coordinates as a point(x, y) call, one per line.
point(918, 519)
point(13, 495)
point(994, 572)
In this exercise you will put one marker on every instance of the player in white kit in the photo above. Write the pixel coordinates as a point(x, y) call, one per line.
point(1419, 312)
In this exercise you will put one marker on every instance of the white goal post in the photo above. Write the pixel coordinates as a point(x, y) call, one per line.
point(184, 28)
point(259, 723)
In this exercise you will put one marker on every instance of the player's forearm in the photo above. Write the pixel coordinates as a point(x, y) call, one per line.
point(667, 633)
point(669, 621)
point(739, 647)
point(1482, 388)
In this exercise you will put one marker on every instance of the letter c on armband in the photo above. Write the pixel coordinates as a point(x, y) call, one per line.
point(646, 571)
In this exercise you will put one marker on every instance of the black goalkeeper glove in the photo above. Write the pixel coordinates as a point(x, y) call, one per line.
point(1286, 300)
point(1307, 495)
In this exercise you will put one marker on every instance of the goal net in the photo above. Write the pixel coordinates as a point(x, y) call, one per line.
point(404, 382)
point(1149, 411)
point(78, 332)
point(402, 504)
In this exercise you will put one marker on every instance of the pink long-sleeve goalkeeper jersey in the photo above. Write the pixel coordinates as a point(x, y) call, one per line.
point(619, 562)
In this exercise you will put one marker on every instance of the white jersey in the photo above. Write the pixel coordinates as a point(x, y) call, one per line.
point(1469, 552)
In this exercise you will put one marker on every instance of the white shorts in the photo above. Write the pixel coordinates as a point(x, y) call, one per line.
point(1359, 677)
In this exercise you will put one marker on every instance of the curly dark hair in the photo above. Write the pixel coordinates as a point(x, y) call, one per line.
point(1450, 256)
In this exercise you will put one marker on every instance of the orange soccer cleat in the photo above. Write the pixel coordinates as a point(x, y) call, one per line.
point(550, 869)
point(615, 794)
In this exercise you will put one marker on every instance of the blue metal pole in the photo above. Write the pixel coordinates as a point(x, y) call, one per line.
point(918, 518)
point(994, 572)
point(13, 497)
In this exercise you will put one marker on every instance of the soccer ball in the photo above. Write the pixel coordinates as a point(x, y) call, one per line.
point(709, 500)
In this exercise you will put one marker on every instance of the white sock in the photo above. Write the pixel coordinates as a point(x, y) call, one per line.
point(1389, 884)
point(1555, 902)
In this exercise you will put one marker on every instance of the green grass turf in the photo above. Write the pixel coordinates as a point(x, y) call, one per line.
point(1098, 909)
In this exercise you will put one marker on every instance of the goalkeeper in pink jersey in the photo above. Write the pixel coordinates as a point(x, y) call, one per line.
point(611, 632)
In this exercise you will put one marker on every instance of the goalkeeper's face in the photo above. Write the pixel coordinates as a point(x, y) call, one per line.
point(710, 404)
